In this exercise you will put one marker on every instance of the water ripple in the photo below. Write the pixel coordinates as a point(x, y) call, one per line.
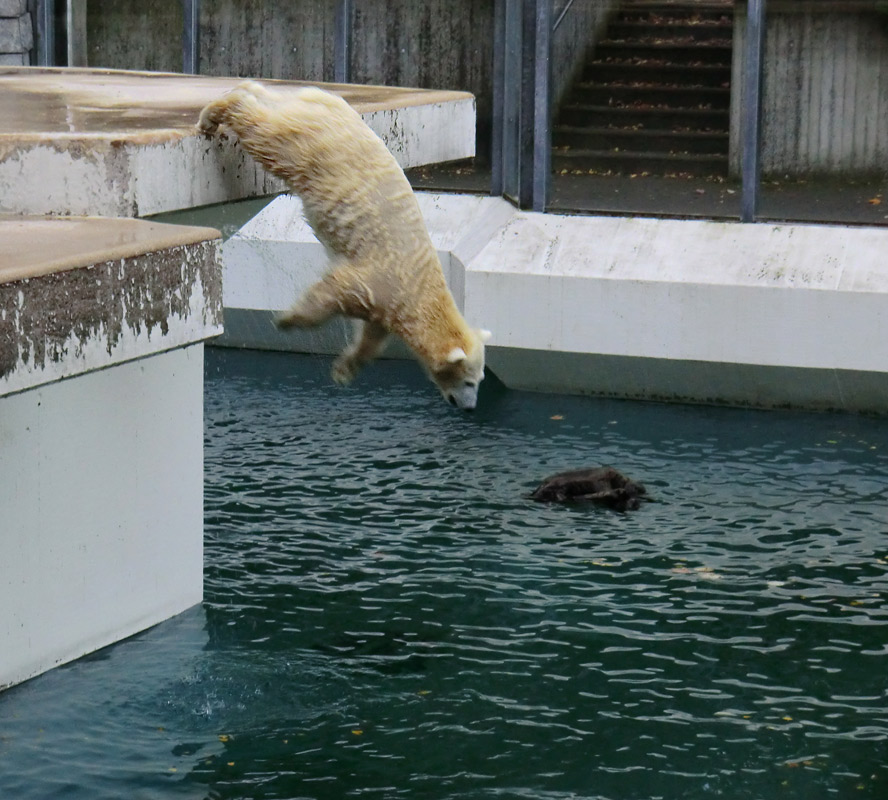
point(388, 614)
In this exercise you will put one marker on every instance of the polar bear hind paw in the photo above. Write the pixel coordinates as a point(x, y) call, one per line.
point(344, 370)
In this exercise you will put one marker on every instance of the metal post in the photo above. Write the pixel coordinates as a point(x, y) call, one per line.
point(45, 24)
point(751, 111)
point(342, 41)
point(75, 16)
point(497, 139)
point(542, 140)
point(513, 59)
point(526, 115)
point(191, 37)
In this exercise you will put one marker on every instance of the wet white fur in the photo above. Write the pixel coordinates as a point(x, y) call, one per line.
point(384, 270)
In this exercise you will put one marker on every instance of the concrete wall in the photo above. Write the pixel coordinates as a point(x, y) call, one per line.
point(825, 89)
point(434, 44)
point(16, 33)
point(101, 486)
point(582, 26)
point(132, 34)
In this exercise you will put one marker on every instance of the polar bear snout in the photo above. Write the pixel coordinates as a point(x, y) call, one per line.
point(464, 397)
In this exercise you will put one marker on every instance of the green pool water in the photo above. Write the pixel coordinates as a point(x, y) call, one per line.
point(388, 615)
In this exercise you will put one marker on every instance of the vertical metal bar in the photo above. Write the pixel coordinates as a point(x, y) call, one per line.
point(191, 37)
point(526, 105)
point(542, 140)
point(75, 16)
point(45, 24)
point(512, 62)
point(498, 113)
point(342, 42)
point(751, 112)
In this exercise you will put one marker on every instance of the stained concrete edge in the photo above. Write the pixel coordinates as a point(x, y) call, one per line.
point(84, 304)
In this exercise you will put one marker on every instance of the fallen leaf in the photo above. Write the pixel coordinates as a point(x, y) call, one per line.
point(557, 416)
point(875, 201)
point(358, 732)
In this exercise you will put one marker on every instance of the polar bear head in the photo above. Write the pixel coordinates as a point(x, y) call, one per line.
point(459, 373)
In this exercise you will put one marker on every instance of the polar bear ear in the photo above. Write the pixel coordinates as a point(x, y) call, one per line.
point(456, 355)
point(485, 334)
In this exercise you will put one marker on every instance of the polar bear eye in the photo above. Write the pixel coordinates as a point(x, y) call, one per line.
point(470, 384)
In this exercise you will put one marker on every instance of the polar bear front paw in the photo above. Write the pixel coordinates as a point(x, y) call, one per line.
point(344, 370)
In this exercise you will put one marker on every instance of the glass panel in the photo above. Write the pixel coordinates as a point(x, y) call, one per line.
point(825, 112)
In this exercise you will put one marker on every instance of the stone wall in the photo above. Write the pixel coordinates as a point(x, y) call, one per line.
point(16, 33)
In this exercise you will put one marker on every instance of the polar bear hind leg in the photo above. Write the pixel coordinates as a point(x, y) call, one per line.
point(318, 303)
point(369, 340)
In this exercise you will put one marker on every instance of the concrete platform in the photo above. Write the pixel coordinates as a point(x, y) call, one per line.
point(117, 143)
point(102, 324)
point(683, 310)
point(80, 294)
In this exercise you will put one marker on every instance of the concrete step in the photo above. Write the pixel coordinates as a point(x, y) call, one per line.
point(694, 119)
point(647, 93)
point(637, 140)
point(709, 15)
point(623, 30)
point(625, 73)
point(627, 162)
point(678, 54)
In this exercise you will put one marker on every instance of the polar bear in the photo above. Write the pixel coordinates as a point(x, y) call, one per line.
point(384, 272)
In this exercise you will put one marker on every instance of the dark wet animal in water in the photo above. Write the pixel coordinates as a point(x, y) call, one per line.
point(603, 485)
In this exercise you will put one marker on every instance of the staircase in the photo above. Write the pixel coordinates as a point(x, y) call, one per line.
point(654, 99)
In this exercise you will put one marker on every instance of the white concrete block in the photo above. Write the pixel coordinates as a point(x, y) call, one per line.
point(101, 486)
point(115, 143)
point(787, 300)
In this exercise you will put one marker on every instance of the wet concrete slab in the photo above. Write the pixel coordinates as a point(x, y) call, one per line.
point(81, 294)
point(119, 143)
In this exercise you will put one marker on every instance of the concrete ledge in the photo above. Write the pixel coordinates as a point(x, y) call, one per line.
point(101, 479)
point(713, 312)
point(116, 143)
point(99, 292)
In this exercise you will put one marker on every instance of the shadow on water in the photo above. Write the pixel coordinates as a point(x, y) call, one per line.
point(387, 613)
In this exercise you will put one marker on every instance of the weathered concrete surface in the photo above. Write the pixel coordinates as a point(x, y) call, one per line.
point(112, 143)
point(101, 491)
point(715, 312)
point(82, 294)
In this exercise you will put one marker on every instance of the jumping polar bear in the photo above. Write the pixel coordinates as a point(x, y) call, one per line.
point(384, 271)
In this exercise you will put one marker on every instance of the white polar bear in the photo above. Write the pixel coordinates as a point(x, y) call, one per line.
point(384, 271)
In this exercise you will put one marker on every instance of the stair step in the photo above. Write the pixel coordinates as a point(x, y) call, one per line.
point(667, 22)
point(645, 116)
point(629, 163)
point(647, 94)
point(637, 140)
point(623, 74)
point(663, 52)
point(666, 13)
point(620, 30)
